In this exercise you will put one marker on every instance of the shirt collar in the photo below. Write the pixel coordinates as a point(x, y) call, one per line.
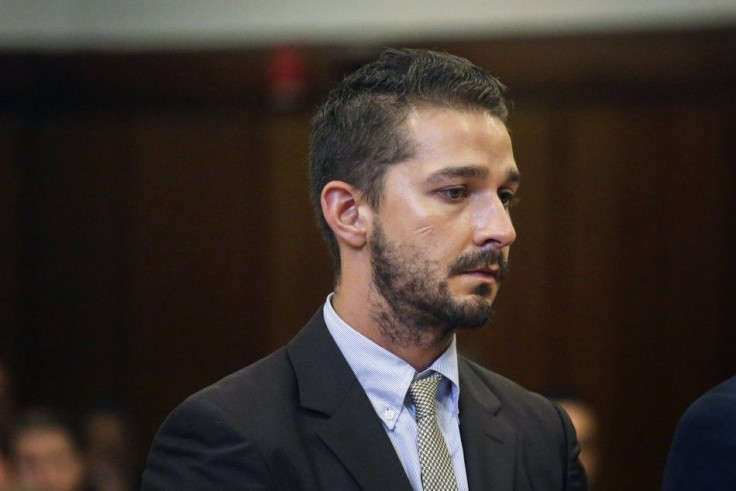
point(384, 376)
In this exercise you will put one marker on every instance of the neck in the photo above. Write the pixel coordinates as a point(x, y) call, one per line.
point(419, 346)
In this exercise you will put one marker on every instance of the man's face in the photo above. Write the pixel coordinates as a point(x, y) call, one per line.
point(46, 459)
point(442, 232)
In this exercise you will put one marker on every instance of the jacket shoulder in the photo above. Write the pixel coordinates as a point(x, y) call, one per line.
point(543, 431)
point(222, 436)
point(510, 395)
point(251, 387)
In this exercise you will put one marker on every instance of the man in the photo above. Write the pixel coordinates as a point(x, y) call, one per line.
point(412, 177)
point(45, 454)
point(703, 453)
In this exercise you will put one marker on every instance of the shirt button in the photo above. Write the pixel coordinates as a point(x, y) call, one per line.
point(389, 414)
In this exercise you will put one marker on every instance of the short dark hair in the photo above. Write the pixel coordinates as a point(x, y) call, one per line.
point(357, 132)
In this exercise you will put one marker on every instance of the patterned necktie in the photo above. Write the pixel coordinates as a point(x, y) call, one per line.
point(437, 471)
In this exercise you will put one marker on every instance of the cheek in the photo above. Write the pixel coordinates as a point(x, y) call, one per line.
point(407, 220)
point(440, 239)
point(424, 231)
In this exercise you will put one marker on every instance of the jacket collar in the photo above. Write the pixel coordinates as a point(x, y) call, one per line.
point(328, 386)
point(489, 445)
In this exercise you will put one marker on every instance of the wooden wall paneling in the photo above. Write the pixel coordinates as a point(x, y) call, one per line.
point(634, 281)
point(588, 254)
point(196, 269)
point(699, 254)
point(73, 309)
point(299, 274)
point(696, 252)
point(671, 328)
point(10, 243)
point(653, 61)
point(727, 209)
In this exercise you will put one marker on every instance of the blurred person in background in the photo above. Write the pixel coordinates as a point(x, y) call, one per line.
point(45, 453)
point(703, 453)
point(109, 446)
point(587, 428)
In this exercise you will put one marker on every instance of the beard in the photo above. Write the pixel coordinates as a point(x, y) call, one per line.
point(417, 295)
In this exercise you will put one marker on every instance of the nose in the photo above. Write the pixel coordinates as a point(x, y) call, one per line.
point(493, 227)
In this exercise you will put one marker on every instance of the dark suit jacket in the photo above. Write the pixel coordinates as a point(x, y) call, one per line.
point(703, 453)
point(299, 419)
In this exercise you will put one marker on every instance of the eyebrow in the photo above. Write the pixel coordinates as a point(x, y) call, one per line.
point(514, 176)
point(470, 171)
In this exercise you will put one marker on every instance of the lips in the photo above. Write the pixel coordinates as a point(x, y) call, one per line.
point(486, 264)
point(490, 273)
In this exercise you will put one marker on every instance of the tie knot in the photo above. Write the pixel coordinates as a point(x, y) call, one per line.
point(423, 393)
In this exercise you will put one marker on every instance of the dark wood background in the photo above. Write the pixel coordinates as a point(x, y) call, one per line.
point(156, 233)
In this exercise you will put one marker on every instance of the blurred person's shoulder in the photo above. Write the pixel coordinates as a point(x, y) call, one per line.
point(717, 406)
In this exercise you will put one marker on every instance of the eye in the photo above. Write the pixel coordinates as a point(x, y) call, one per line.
point(454, 194)
point(508, 198)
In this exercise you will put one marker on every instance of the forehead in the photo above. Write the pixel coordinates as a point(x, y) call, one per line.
point(449, 137)
point(44, 439)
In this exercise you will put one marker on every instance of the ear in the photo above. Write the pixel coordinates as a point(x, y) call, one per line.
point(345, 213)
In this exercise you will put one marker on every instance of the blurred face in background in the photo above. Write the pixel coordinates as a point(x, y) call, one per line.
point(586, 427)
point(47, 459)
point(110, 456)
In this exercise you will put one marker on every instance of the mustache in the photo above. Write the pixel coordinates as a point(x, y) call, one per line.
point(481, 259)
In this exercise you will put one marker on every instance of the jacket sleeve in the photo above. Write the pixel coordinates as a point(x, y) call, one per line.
point(196, 448)
point(575, 479)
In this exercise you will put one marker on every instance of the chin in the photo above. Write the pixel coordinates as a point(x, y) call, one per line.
point(484, 290)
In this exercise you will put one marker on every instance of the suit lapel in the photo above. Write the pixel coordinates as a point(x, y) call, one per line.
point(352, 430)
point(362, 445)
point(489, 445)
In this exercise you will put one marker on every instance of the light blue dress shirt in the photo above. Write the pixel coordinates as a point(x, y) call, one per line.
point(386, 378)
